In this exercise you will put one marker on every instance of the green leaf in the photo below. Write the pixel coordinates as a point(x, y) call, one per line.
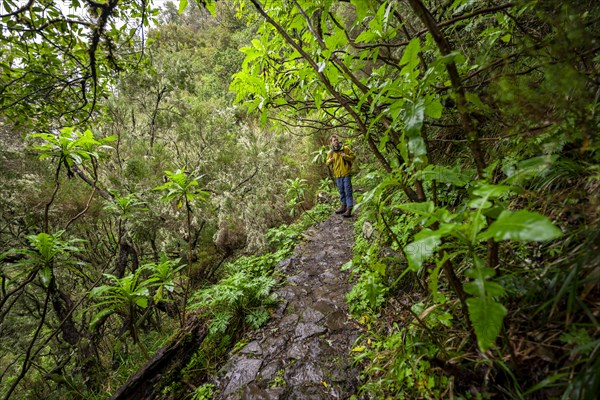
point(527, 169)
point(99, 315)
point(416, 146)
point(522, 226)
point(433, 107)
point(479, 202)
point(379, 268)
point(142, 302)
point(336, 40)
point(347, 266)
point(487, 190)
point(366, 37)
point(413, 120)
point(182, 6)
point(211, 6)
point(411, 52)
point(486, 316)
point(425, 208)
point(373, 291)
point(99, 290)
point(453, 176)
point(362, 9)
point(45, 275)
point(494, 289)
point(475, 101)
point(425, 244)
point(481, 286)
point(403, 148)
point(434, 277)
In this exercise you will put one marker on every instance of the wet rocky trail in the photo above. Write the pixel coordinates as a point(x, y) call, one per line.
point(304, 351)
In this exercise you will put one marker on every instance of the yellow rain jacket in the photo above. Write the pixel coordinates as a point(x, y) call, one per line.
point(341, 164)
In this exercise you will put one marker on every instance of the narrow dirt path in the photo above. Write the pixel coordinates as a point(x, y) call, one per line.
point(304, 351)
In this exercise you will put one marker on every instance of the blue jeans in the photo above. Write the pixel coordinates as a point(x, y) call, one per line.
point(344, 185)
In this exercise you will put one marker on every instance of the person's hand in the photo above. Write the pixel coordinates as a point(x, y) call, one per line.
point(343, 154)
point(330, 159)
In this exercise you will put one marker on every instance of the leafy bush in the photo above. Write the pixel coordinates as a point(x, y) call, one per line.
point(397, 366)
point(285, 237)
point(238, 301)
point(257, 265)
point(204, 392)
point(367, 295)
point(320, 213)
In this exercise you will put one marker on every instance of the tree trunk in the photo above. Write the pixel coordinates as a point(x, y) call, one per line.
point(126, 251)
point(63, 307)
point(163, 367)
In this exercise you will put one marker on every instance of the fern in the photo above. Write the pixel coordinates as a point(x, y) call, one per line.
point(238, 299)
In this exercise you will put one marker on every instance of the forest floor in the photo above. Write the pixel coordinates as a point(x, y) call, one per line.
point(304, 351)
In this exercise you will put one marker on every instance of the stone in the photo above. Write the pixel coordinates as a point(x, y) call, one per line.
point(252, 348)
point(304, 331)
point(244, 372)
point(301, 373)
point(312, 315)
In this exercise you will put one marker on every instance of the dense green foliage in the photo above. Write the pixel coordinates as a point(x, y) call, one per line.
point(483, 119)
point(142, 152)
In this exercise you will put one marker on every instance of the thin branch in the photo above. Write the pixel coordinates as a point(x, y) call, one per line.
point(239, 185)
point(87, 205)
point(49, 203)
point(20, 10)
point(92, 183)
point(476, 13)
point(29, 279)
point(495, 139)
point(27, 361)
point(45, 25)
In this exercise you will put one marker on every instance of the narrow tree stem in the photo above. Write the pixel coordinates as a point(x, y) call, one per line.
point(27, 361)
point(49, 203)
point(461, 102)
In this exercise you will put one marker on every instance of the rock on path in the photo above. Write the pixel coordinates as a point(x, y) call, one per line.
point(304, 351)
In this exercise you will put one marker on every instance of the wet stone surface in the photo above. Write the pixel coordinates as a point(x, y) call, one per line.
point(304, 351)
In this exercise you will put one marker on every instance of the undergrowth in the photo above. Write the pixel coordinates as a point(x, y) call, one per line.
point(421, 342)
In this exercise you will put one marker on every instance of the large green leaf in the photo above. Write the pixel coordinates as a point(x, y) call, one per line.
point(486, 316)
point(211, 6)
point(100, 315)
point(481, 286)
point(454, 176)
point(433, 107)
point(45, 276)
point(425, 208)
point(423, 247)
point(141, 301)
point(411, 52)
point(487, 190)
point(413, 120)
point(523, 226)
point(527, 169)
point(362, 9)
point(182, 6)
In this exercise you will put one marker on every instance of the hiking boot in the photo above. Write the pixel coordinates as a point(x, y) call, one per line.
point(341, 210)
point(348, 212)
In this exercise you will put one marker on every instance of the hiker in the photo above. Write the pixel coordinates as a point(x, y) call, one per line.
point(341, 156)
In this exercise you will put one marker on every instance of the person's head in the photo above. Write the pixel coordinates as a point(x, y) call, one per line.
point(335, 140)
